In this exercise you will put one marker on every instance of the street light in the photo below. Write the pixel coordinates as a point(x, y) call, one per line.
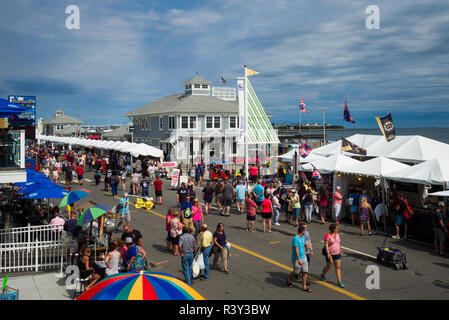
point(131, 130)
point(324, 124)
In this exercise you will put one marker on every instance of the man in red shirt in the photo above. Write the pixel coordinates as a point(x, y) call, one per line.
point(80, 172)
point(158, 189)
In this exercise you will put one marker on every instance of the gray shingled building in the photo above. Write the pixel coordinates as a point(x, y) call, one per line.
point(60, 124)
point(200, 124)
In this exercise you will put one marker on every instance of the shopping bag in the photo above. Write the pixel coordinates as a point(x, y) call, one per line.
point(195, 269)
point(200, 261)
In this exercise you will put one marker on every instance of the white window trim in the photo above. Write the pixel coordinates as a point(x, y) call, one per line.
point(174, 123)
point(188, 123)
point(237, 122)
point(213, 122)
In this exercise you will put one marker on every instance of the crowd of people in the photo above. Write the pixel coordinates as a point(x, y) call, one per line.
point(187, 233)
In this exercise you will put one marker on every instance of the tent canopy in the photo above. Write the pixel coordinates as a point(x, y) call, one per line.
point(376, 167)
point(402, 148)
point(330, 164)
point(290, 157)
point(136, 149)
point(435, 171)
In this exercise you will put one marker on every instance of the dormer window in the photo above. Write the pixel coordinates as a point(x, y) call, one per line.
point(205, 86)
point(197, 86)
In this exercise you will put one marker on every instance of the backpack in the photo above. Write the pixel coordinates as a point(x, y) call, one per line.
point(408, 213)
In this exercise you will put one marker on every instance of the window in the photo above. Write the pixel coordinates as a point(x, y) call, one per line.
point(208, 122)
point(171, 123)
point(161, 123)
point(185, 122)
point(192, 122)
point(217, 122)
point(197, 86)
point(205, 86)
point(234, 146)
point(234, 122)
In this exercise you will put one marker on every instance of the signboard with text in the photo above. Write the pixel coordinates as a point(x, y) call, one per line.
point(25, 120)
point(172, 164)
point(175, 178)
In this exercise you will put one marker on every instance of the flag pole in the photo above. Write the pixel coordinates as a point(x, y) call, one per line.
point(246, 125)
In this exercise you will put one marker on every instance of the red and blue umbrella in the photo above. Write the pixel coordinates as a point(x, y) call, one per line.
point(73, 197)
point(143, 285)
point(91, 214)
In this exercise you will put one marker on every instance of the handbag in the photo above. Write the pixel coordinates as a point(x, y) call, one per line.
point(324, 251)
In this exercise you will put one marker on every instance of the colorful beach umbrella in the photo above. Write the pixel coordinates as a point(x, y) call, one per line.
point(73, 197)
point(143, 285)
point(91, 214)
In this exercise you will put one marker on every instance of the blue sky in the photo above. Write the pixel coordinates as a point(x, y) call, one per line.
point(129, 53)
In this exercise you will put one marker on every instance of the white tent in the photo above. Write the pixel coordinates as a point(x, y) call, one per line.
point(331, 164)
point(122, 146)
point(141, 149)
point(444, 193)
point(376, 167)
point(435, 171)
point(290, 157)
point(402, 148)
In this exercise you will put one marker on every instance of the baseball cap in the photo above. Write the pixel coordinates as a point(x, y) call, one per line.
point(128, 240)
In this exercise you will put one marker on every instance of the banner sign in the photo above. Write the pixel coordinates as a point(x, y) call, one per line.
point(184, 179)
point(175, 178)
point(27, 118)
point(348, 146)
point(172, 164)
point(387, 127)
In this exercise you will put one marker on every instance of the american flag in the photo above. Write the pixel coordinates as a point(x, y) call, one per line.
point(223, 80)
point(302, 106)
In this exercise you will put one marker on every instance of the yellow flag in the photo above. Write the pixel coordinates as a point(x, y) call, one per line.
point(250, 72)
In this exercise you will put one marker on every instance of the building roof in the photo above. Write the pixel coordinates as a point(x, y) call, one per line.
point(197, 80)
point(63, 119)
point(180, 103)
point(120, 132)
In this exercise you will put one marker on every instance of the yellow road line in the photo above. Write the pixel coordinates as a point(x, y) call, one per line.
point(280, 265)
point(274, 242)
point(161, 262)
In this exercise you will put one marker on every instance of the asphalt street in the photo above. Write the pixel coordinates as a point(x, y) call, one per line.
point(260, 262)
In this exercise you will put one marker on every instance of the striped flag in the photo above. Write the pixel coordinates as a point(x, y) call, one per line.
point(305, 145)
point(302, 106)
point(315, 173)
point(302, 152)
point(223, 80)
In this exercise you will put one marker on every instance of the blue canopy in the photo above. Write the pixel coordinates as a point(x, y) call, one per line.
point(37, 186)
point(47, 194)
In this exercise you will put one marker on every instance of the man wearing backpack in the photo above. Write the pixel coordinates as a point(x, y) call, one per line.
point(400, 219)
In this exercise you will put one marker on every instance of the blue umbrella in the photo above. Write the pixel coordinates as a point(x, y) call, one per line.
point(47, 194)
point(37, 186)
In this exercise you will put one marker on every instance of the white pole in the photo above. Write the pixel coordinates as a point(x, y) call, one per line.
point(246, 126)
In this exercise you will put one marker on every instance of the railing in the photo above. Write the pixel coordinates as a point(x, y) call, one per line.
point(31, 248)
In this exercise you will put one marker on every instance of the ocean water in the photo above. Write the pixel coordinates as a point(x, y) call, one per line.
point(439, 134)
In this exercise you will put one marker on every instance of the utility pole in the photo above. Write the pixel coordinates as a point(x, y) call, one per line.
point(324, 125)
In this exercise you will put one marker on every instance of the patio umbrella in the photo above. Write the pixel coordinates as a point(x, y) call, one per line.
point(91, 214)
point(73, 197)
point(143, 285)
point(52, 193)
point(37, 186)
